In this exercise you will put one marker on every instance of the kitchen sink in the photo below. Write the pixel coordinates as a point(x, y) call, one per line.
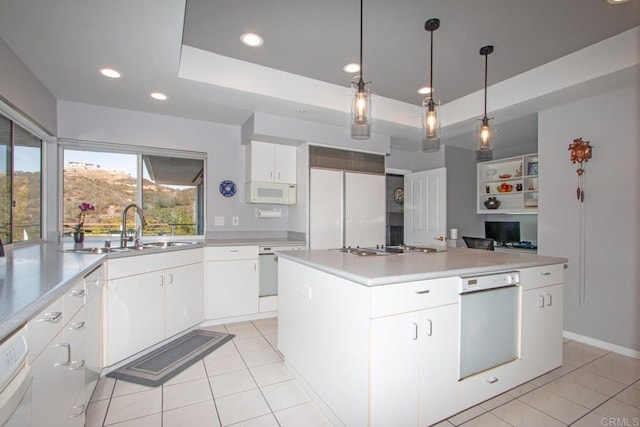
point(166, 244)
point(96, 250)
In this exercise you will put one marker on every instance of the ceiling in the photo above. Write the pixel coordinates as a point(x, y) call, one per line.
point(65, 42)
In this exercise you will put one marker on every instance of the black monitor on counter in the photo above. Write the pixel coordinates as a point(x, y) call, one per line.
point(502, 231)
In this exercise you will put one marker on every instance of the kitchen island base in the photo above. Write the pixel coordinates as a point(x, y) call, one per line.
point(389, 354)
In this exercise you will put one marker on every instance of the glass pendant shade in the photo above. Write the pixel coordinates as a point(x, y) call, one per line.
point(430, 120)
point(484, 148)
point(361, 110)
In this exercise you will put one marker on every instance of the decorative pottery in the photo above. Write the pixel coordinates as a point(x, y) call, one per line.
point(492, 203)
point(78, 237)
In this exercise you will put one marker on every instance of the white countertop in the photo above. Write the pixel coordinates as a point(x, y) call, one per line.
point(408, 267)
point(35, 275)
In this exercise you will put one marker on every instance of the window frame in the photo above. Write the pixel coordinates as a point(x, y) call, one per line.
point(17, 118)
point(139, 151)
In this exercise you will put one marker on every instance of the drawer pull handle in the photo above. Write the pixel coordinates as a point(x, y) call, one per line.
point(426, 291)
point(492, 380)
point(76, 411)
point(77, 326)
point(52, 316)
point(76, 365)
point(545, 273)
point(68, 347)
point(78, 293)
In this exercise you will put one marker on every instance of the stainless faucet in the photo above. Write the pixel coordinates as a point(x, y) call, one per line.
point(124, 236)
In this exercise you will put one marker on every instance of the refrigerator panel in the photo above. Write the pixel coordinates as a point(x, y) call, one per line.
point(325, 209)
point(365, 213)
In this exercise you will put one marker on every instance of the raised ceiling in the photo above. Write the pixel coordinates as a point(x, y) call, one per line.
point(65, 42)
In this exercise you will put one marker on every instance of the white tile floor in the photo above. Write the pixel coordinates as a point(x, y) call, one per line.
point(245, 383)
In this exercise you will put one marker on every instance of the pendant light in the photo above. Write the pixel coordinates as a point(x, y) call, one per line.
point(361, 102)
point(485, 135)
point(430, 120)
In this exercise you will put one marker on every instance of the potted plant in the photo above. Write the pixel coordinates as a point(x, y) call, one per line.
point(78, 229)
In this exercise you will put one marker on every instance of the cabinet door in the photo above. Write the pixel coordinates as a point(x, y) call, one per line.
point(75, 334)
point(135, 314)
point(551, 331)
point(232, 288)
point(184, 298)
point(262, 157)
point(394, 370)
point(285, 164)
point(438, 373)
point(541, 330)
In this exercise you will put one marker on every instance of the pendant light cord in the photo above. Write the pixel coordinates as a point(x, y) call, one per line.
point(431, 66)
point(361, 64)
point(486, 67)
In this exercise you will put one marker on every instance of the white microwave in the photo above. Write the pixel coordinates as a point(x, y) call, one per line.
point(274, 193)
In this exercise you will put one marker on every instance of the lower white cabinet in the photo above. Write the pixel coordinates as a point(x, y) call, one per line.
point(232, 281)
point(542, 328)
point(414, 359)
point(150, 298)
point(58, 337)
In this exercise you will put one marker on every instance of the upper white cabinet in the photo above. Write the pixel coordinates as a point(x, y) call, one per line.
point(268, 162)
point(508, 185)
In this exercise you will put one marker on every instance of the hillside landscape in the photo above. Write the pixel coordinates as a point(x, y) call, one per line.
point(168, 210)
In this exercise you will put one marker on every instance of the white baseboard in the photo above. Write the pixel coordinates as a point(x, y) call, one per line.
point(236, 319)
point(602, 344)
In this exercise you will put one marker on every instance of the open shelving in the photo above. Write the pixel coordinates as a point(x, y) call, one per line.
point(512, 181)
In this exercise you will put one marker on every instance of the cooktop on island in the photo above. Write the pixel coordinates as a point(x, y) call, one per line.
point(382, 250)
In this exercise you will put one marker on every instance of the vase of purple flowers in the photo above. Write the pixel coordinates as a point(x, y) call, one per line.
point(78, 229)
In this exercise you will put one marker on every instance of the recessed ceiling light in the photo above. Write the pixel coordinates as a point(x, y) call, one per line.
point(616, 1)
point(351, 68)
point(110, 72)
point(424, 90)
point(251, 39)
point(159, 96)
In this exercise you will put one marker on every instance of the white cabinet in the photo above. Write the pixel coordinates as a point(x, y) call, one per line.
point(232, 281)
point(57, 341)
point(135, 315)
point(268, 162)
point(150, 298)
point(94, 284)
point(422, 348)
point(542, 305)
point(512, 182)
point(184, 297)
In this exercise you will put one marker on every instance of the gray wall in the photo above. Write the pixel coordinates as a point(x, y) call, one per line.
point(611, 231)
point(23, 91)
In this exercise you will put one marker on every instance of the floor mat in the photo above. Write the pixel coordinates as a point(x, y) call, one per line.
point(166, 362)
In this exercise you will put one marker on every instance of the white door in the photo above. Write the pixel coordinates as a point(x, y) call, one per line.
point(184, 298)
point(365, 214)
point(285, 164)
point(325, 209)
point(262, 161)
point(425, 207)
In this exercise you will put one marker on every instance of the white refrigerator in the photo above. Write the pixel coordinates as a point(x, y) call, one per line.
point(346, 209)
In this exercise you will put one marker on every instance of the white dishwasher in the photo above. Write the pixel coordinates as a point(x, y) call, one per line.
point(489, 321)
point(15, 381)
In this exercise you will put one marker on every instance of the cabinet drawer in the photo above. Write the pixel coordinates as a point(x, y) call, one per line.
point(74, 299)
point(221, 253)
point(44, 327)
point(411, 296)
point(535, 277)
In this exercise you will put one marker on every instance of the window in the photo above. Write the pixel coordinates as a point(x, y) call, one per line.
point(168, 185)
point(20, 183)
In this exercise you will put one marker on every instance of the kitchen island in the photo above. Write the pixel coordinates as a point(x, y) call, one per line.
point(377, 339)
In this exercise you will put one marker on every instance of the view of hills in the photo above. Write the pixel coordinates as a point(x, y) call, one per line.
point(167, 210)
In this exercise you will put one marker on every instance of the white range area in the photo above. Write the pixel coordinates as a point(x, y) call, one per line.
point(411, 339)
